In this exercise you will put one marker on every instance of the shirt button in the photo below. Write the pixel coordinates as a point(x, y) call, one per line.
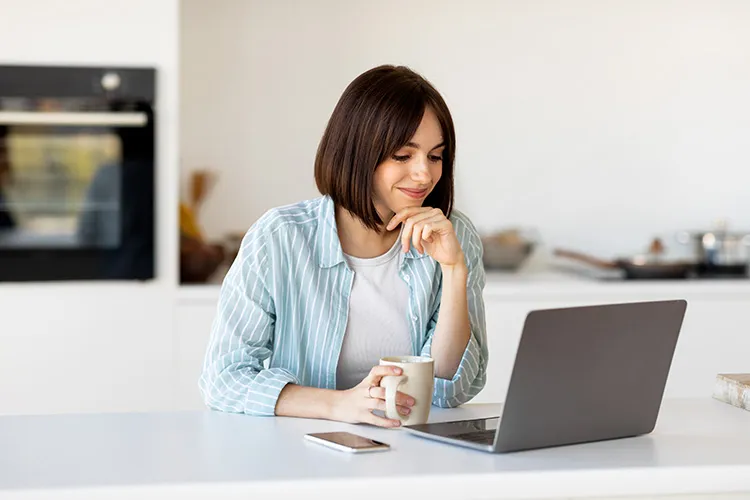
point(406, 278)
point(414, 318)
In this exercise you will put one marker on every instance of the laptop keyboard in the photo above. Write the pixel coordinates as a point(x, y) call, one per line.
point(481, 437)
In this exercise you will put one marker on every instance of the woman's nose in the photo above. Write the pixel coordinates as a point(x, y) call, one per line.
point(420, 170)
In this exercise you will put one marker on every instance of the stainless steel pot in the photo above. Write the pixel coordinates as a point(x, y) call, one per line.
point(718, 248)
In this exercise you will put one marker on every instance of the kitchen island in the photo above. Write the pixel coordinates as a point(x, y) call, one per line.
point(700, 447)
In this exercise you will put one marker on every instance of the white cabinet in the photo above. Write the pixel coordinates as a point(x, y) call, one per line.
point(192, 330)
point(86, 348)
point(715, 338)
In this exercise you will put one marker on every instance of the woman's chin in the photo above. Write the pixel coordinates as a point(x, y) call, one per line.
point(401, 205)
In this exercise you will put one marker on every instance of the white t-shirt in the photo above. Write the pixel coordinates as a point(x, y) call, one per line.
point(378, 325)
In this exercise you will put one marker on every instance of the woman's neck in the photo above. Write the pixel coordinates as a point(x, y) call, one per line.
point(360, 241)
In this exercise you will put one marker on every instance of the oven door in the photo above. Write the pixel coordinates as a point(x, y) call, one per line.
point(76, 173)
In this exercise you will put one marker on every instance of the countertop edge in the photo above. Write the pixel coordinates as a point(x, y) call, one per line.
point(528, 484)
point(518, 288)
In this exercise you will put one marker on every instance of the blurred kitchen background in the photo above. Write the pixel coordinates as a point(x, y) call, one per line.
point(613, 129)
point(597, 142)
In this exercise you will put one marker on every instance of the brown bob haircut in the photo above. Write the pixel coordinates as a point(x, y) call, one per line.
point(378, 113)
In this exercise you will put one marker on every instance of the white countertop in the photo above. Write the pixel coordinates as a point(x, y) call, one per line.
point(533, 284)
point(698, 446)
point(556, 283)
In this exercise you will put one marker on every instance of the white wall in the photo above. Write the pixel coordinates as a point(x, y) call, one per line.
point(105, 347)
point(600, 123)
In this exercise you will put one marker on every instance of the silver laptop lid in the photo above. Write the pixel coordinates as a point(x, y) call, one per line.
point(589, 373)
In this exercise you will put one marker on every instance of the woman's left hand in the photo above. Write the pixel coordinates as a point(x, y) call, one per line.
point(429, 231)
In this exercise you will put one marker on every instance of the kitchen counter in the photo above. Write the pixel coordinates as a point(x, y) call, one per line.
point(699, 446)
point(555, 283)
point(560, 283)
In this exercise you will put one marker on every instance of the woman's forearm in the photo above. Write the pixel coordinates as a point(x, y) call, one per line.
point(306, 402)
point(453, 330)
point(353, 405)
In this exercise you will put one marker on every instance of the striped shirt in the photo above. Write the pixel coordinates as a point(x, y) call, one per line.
point(283, 307)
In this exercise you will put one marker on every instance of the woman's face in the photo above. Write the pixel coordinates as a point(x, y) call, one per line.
point(405, 179)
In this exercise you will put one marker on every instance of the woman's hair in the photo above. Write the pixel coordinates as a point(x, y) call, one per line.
point(378, 113)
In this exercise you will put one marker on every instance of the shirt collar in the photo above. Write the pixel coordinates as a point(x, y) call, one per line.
point(327, 245)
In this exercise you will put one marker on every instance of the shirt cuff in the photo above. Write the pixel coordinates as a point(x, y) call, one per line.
point(459, 389)
point(263, 391)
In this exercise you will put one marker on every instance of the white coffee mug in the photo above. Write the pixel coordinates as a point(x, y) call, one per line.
point(417, 380)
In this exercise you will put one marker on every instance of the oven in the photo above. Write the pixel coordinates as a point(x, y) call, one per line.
point(77, 173)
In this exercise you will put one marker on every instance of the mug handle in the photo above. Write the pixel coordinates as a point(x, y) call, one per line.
point(391, 384)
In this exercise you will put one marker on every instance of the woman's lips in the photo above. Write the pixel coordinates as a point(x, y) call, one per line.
point(414, 193)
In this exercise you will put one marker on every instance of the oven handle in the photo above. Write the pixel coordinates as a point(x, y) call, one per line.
point(119, 119)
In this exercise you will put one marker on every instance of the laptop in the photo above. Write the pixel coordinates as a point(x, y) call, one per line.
point(581, 374)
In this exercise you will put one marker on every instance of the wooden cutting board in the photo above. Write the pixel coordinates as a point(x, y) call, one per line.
point(734, 389)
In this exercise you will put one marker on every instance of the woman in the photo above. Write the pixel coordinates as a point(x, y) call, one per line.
point(379, 265)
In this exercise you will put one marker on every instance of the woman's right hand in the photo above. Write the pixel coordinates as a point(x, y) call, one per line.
point(355, 405)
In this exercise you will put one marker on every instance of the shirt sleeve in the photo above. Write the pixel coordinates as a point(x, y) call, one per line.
point(472, 371)
point(233, 378)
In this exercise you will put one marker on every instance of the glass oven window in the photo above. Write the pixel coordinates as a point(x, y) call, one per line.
point(77, 153)
point(61, 184)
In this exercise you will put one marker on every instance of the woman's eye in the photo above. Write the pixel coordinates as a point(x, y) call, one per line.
point(436, 158)
point(401, 157)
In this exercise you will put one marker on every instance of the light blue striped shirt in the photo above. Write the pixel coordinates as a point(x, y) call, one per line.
point(283, 309)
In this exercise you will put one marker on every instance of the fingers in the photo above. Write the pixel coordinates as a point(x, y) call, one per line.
point(379, 372)
point(371, 418)
point(425, 228)
point(404, 214)
point(378, 393)
point(408, 231)
point(412, 228)
point(427, 233)
point(379, 404)
point(432, 227)
point(373, 398)
point(418, 232)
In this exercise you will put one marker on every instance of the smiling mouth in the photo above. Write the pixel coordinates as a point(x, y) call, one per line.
point(414, 193)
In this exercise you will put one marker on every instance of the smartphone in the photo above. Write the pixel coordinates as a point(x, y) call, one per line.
point(346, 441)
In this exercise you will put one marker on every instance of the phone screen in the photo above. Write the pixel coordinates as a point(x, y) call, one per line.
point(349, 440)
